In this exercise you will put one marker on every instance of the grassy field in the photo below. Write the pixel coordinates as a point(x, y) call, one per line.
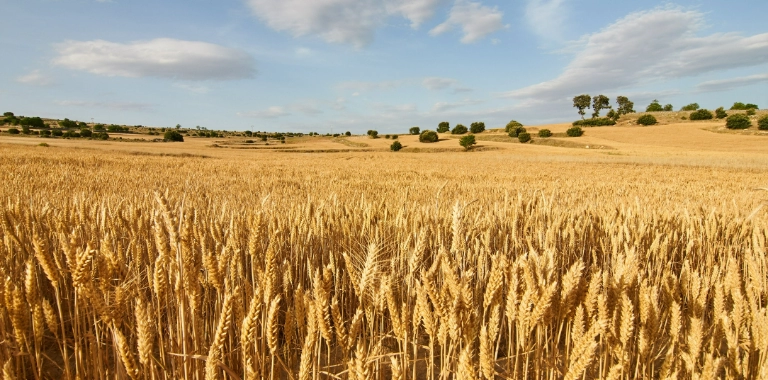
point(329, 258)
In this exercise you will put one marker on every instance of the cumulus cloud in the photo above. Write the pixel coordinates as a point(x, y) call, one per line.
point(120, 106)
point(35, 78)
point(475, 20)
point(269, 113)
point(355, 21)
point(731, 83)
point(163, 57)
point(659, 45)
point(546, 17)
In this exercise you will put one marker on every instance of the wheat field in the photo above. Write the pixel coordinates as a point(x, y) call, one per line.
point(371, 266)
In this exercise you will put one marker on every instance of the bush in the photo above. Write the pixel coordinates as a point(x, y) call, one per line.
point(574, 132)
point(13, 131)
point(172, 135)
point(428, 136)
point(394, 137)
point(57, 132)
point(99, 127)
point(513, 133)
point(739, 106)
point(43, 145)
point(71, 134)
point(596, 122)
point(690, 107)
point(751, 112)
point(414, 130)
point(762, 123)
point(86, 133)
point(668, 107)
point(512, 125)
point(396, 146)
point(101, 136)
point(45, 133)
point(443, 127)
point(374, 134)
point(34, 122)
point(720, 113)
point(524, 137)
point(647, 120)
point(702, 114)
point(387, 136)
point(347, 133)
point(545, 133)
point(467, 142)
point(459, 129)
point(25, 129)
point(655, 106)
point(477, 127)
point(738, 121)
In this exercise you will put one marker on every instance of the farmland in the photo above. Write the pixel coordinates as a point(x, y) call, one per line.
point(630, 252)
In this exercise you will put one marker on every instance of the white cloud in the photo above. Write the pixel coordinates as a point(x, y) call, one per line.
point(121, 106)
point(417, 11)
point(447, 106)
point(476, 21)
point(163, 57)
point(546, 17)
point(731, 83)
point(35, 78)
point(270, 113)
point(436, 83)
point(644, 47)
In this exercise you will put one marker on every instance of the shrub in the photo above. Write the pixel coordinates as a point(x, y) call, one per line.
point(25, 129)
point(477, 127)
point(414, 130)
point(373, 134)
point(613, 115)
point(738, 121)
point(741, 106)
point(249, 141)
point(690, 107)
point(647, 120)
point(524, 137)
point(545, 133)
point(101, 136)
point(512, 125)
point(396, 146)
point(516, 131)
point(99, 127)
point(387, 136)
point(45, 133)
point(467, 142)
point(762, 123)
point(596, 122)
point(443, 127)
point(57, 132)
point(668, 107)
point(574, 132)
point(459, 129)
point(751, 112)
point(702, 114)
point(34, 122)
point(720, 113)
point(428, 136)
point(71, 134)
point(66, 123)
point(171, 135)
point(13, 131)
point(86, 133)
point(655, 106)
point(347, 133)
point(43, 145)
point(394, 137)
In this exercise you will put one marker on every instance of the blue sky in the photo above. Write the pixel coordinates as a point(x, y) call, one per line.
point(337, 65)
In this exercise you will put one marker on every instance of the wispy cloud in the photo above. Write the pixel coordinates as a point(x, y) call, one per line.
point(546, 17)
point(644, 47)
point(121, 106)
point(35, 78)
point(731, 83)
point(446, 106)
point(475, 20)
point(163, 57)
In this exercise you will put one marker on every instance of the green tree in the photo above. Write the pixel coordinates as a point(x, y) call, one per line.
point(443, 127)
point(512, 125)
point(625, 105)
point(582, 102)
point(654, 107)
point(414, 130)
point(524, 137)
point(428, 136)
point(545, 133)
point(668, 107)
point(613, 115)
point(467, 142)
point(396, 146)
point(172, 135)
point(459, 129)
point(720, 113)
point(690, 107)
point(347, 133)
point(599, 102)
point(477, 127)
point(8, 114)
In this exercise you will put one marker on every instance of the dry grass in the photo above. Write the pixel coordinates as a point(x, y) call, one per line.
point(378, 265)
